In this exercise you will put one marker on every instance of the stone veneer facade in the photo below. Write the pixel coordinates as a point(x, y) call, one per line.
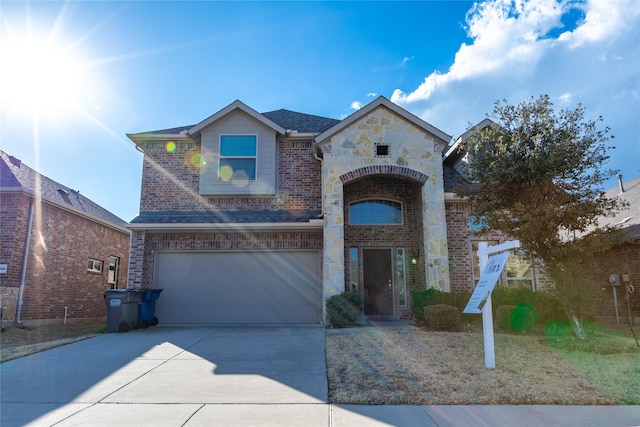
point(413, 155)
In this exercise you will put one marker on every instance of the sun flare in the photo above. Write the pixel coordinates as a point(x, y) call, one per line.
point(39, 76)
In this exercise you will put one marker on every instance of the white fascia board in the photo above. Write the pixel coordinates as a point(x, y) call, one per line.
point(314, 224)
point(237, 104)
point(140, 138)
point(382, 101)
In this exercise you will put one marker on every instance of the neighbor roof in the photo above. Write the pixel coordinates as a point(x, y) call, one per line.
point(628, 219)
point(16, 176)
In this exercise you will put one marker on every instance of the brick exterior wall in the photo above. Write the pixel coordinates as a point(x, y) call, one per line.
point(148, 244)
point(624, 259)
point(385, 236)
point(460, 238)
point(170, 181)
point(57, 276)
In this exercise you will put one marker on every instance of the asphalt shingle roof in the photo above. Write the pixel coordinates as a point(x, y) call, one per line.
point(628, 219)
point(301, 122)
point(15, 174)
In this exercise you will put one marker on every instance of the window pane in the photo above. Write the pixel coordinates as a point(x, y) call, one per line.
point(375, 212)
point(238, 145)
point(400, 278)
point(237, 169)
point(353, 269)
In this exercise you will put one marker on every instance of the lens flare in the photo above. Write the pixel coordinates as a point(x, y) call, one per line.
point(225, 173)
point(170, 146)
point(198, 160)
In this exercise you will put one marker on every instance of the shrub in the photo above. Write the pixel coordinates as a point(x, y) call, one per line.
point(421, 299)
point(523, 318)
point(344, 309)
point(503, 316)
point(545, 305)
point(442, 317)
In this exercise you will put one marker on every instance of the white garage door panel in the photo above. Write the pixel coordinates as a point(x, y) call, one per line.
point(238, 287)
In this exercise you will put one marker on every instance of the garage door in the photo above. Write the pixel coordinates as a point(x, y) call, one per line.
point(238, 287)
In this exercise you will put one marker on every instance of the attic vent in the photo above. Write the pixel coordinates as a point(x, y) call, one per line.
point(382, 150)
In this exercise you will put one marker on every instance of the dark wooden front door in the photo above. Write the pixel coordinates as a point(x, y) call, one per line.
point(378, 285)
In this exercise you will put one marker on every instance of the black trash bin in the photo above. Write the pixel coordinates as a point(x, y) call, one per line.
point(147, 309)
point(122, 309)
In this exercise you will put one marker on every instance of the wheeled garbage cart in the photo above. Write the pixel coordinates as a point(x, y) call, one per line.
point(122, 308)
point(147, 309)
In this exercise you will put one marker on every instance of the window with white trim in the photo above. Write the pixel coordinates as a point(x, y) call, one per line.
point(114, 266)
point(238, 157)
point(94, 266)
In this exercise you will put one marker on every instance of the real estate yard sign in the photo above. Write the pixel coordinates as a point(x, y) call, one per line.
point(488, 280)
point(480, 301)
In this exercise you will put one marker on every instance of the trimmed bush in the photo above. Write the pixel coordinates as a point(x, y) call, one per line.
point(344, 309)
point(421, 299)
point(523, 318)
point(503, 316)
point(545, 305)
point(442, 317)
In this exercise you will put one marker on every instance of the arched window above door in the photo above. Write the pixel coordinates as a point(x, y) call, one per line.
point(375, 212)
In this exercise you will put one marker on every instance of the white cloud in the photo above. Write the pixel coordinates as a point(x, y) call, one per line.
point(356, 105)
point(506, 36)
point(603, 19)
point(511, 37)
point(518, 50)
point(565, 98)
point(405, 61)
point(372, 94)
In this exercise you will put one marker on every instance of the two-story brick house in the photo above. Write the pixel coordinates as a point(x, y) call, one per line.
point(258, 218)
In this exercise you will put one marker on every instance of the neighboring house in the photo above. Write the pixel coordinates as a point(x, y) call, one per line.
point(59, 250)
point(622, 260)
point(258, 218)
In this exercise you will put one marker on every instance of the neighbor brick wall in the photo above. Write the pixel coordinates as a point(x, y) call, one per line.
point(624, 259)
point(57, 276)
point(215, 242)
point(170, 181)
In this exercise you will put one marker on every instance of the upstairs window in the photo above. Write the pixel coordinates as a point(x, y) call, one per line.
point(238, 157)
point(375, 212)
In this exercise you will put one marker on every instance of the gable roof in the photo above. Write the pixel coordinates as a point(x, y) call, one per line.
point(457, 150)
point(236, 105)
point(384, 102)
point(628, 219)
point(16, 176)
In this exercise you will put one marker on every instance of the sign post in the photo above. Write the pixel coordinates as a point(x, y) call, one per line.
point(480, 301)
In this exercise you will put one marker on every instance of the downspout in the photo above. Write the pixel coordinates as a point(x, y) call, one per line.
point(23, 276)
point(318, 158)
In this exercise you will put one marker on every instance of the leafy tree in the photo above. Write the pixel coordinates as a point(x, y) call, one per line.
point(538, 176)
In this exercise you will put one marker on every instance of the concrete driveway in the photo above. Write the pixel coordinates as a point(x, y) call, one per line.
point(171, 376)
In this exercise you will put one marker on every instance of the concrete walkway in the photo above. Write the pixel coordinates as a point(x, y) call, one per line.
point(226, 376)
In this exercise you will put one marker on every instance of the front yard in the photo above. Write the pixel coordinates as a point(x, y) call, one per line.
point(378, 366)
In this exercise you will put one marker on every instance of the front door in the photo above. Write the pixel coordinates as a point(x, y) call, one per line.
point(377, 278)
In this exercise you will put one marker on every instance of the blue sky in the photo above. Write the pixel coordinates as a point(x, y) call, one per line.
point(81, 75)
